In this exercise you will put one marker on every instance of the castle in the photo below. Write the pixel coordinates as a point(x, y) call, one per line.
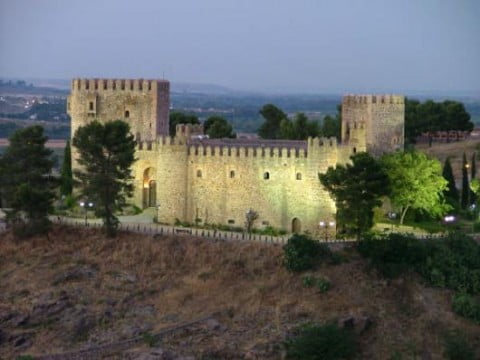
point(195, 179)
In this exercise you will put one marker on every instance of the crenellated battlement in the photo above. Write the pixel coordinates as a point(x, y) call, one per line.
point(245, 152)
point(373, 99)
point(126, 85)
point(322, 143)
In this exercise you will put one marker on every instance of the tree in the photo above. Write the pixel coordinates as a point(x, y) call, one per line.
point(416, 182)
point(473, 195)
point(177, 117)
point(357, 189)
point(465, 200)
point(66, 179)
point(451, 193)
point(270, 129)
point(27, 182)
point(106, 154)
point(330, 127)
point(250, 217)
point(217, 127)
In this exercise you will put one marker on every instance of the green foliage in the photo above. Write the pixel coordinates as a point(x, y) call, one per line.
point(217, 127)
point(451, 192)
point(432, 116)
point(308, 281)
point(357, 189)
point(323, 285)
point(467, 306)
point(26, 181)
point(331, 126)
point(416, 182)
point(177, 117)
point(269, 230)
point(321, 342)
point(303, 253)
point(273, 116)
point(393, 254)
point(106, 156)
point(25, 357)
point(457, 347)
point(66, 177)
point(149, 339)
point(465, 200)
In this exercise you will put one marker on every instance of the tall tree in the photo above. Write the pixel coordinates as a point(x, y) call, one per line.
point(217, 127)
point(66, 177)
point(270, 129)
point(357, 189)
point(465, 200)
point(106, 154)
point(27, 181)
point(416, 182)
point(451, 193)
point(177, 117)
point(331, 127)
point(473, 195)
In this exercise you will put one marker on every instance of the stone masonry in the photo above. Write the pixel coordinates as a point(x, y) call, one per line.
point(217, 181)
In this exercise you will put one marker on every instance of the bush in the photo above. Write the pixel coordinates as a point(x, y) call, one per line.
point(467, 306)
point(303, 253)
point(327, 342)
point(323, 285)
point(457, 347)
point(270, 231)
point(393, 254)
point(308, 281)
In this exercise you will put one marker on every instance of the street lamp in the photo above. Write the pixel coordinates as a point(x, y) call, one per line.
point(392, 216)
point(86, 206)
point(326, 225)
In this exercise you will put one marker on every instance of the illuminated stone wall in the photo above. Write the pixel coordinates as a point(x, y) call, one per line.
point(189, 180)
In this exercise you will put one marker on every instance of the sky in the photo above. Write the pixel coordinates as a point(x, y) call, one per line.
point(254, 45)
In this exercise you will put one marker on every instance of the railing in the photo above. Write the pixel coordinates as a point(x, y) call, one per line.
point(158, 229)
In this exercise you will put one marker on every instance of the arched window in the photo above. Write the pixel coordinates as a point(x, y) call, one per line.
point(199, 173)
point(266, 175)
point(232, 174)
point(299, 176)
point(127, 114)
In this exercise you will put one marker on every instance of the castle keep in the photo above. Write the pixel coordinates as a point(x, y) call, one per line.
point(191, 178)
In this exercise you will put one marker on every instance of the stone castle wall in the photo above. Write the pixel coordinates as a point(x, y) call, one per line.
point(219, 182)
point(383, 117)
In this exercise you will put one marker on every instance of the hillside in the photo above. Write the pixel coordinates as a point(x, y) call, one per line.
point(77, 289)
point(455, 151)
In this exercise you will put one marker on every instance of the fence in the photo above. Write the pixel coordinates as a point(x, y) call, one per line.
point(158, 229)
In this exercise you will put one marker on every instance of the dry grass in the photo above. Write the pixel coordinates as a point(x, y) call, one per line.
point(454, 150)
point(186, 278)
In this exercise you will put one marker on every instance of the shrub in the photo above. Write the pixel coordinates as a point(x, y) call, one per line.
point(393, 254)
point(149, 339)
point(457, 347)
point(327, 342)
point(467, 306)
point(302, 253)
point(308, 281)
point(323, 285)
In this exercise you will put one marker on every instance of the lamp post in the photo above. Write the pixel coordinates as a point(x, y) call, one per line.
point(86, 205)
point(325, 225)
point(392, 216)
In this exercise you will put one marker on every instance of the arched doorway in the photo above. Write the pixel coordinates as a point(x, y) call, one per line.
point(296, 225)
point(149, 188)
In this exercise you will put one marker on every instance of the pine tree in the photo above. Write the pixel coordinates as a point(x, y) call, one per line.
point(26, 181)
point(451, 194)
point(107, 152)
point(465, 201)
point(66, 173)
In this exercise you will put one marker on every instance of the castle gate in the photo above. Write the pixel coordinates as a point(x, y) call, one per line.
point(296, 225)
point(149, 188)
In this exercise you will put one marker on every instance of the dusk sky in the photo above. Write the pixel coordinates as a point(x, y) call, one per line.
point(262, 45)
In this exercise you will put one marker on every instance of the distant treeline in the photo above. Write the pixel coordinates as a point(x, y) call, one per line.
point(61, 131)
point(53, 111)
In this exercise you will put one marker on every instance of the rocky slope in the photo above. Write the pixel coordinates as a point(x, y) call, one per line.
point(139, 297)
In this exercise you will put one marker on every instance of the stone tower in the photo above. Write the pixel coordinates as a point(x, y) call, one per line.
point(375, 122)
point(143, 104)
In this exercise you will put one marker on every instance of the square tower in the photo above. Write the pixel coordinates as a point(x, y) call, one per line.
point(143, 104)
point(381, 116)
